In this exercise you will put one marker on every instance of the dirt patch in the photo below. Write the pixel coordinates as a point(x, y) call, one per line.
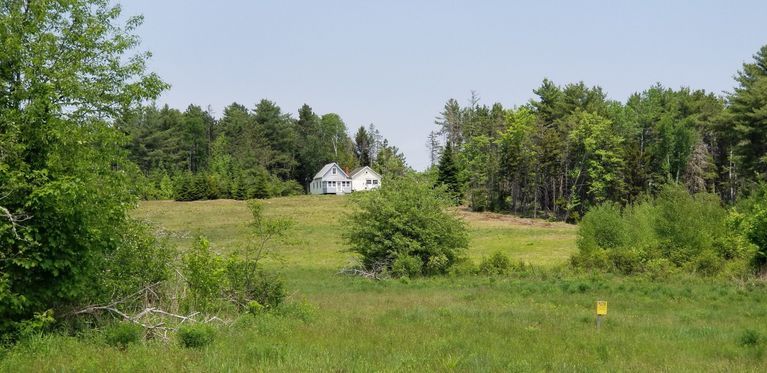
point(470, 216)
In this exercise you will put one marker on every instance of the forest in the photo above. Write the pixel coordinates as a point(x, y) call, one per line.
point(571, 147)
point(258, 153)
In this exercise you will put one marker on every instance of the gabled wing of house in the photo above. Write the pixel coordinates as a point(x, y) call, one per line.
point(331, 179)
point(365, 178)
point(328, 168)
point(358, 170)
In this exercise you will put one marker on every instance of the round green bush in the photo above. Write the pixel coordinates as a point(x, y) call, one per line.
point(123, 334)
point(195, 335)
point(496, 264)
point(405, 217)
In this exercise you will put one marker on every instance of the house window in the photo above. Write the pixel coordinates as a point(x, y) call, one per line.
point(368, 182)
point(375, 182)
point(334, 170)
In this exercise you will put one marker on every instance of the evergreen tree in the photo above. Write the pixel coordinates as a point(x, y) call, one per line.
point(448, 172)
point(363, 146)
point(748, 104)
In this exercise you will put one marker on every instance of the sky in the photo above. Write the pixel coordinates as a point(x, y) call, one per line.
point(395, 63)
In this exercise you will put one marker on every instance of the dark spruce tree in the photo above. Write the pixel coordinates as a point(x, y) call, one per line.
point(447, 173)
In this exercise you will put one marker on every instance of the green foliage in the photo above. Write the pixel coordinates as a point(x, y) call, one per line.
point(210, 280)
point(301, 310)
point(40, 323)
point(203, 272)
point(245, 286)
point(674, 230)
point(69, 68)
point(406, 266)
point(571, 148)
point(245, 154)
point(447, 173)
point(404, 217)
point(750, 338)
point(754, 225)
point(602, 228)
point(748, 102)
point(122, 334)
point(140, 259)
point(496, 264)
point(437, 265)
point(255, 308)
point(195, 335)
point(463, 267)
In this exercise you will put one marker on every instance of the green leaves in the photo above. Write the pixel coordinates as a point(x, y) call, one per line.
point(405, 217)
point(68, 68)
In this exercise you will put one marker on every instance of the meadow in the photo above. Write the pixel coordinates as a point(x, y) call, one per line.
point(541, 318)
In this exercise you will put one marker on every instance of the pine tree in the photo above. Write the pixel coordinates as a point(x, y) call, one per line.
point(748, 105)
point(363, 146)
point(260, 187)
point(448, 172)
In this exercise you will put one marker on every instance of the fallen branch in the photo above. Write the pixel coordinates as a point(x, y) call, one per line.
point(376, 271)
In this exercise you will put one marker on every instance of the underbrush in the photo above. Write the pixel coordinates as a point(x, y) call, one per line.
point(674, 232)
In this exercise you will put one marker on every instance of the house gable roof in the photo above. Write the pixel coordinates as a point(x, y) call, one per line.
point(360, 169)
point(325, 169)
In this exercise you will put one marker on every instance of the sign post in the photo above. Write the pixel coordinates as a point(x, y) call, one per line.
point(601, 312)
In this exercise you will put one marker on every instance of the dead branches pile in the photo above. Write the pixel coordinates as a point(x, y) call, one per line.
point(144, 312)
point(375, 271)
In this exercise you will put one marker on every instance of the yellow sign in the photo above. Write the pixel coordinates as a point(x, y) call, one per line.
point(601, 308)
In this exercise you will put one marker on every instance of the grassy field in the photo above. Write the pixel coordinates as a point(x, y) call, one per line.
point(540, 320)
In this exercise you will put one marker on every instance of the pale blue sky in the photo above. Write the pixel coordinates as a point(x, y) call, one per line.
point(395, 63)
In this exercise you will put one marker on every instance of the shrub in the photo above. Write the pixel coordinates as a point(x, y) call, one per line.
point(688, 224)
point(756, 232)
point(140, 259)
point(405, 217)
point(625, 260)
point(195, 335)
point(601, 228)
point(245, 285)
point(203, 271)
point(659, 268)
point(463, 267)
point(708, 263)
point(675, 229)
point(406, 266)
point(437, 265)
point(268, 289)
point(496, 264)
point(123, 334)
point(750, 338)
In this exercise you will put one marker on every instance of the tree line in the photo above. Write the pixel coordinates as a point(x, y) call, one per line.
point(246, 153)
point(571, 148)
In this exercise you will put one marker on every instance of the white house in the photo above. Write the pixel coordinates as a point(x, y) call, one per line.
point(364, 178)
point(332, 179)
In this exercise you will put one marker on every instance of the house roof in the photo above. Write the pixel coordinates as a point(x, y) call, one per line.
point(327, 168)
point(359, 169)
